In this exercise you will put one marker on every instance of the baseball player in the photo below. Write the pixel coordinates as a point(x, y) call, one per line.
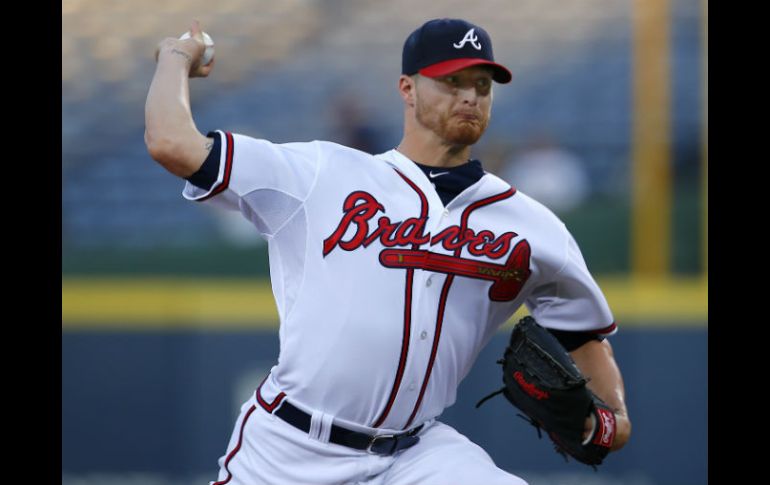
point(390, 273)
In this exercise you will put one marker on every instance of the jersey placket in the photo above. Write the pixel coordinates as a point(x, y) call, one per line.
point(433, 309)
point(403, 380)
point(430, 307)
point(430, 290)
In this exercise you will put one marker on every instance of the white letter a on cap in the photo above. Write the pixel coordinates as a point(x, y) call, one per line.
point(471, 37)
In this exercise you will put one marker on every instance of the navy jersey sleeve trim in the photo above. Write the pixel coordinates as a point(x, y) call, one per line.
point(208, 174)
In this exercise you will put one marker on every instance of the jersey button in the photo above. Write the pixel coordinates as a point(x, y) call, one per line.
point(424, 335)
point(412, 386)
point(429, 282)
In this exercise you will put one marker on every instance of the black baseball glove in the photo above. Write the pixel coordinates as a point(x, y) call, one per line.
point(542, 380)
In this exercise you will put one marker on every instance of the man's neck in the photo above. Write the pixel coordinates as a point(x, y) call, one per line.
point(432, 152)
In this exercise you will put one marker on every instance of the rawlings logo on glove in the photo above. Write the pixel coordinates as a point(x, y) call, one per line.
point(528, 387)
point(542, 380)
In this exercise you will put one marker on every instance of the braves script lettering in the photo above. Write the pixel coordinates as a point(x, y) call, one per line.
point(360, 208)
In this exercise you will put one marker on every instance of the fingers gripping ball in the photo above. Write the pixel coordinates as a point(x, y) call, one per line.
point(208, 54)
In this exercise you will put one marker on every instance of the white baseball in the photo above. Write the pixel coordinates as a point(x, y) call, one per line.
point(208, 54)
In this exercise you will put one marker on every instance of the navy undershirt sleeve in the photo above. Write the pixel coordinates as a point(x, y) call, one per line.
point(207, 175)
point(572, 340)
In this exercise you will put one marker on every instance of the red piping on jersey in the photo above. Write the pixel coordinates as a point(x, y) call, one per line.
point(237, 447)
point(407, 311)
point(228, 168)
point(479, 203)
point(445, 292)
point(271, 406)
point(434, 349)
point(423, 199)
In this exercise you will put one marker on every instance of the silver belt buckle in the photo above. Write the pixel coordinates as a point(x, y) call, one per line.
point(379, 437)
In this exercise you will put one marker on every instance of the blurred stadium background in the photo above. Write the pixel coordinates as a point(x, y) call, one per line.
point(167, 315)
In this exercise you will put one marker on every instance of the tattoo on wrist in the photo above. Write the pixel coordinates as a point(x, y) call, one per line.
point(183, 54)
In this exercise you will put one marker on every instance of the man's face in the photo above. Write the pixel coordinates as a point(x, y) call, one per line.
point(456, 107)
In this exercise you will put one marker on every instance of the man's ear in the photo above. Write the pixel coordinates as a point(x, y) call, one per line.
point(407, 85)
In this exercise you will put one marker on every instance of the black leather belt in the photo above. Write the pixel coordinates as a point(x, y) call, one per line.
point(385, 444)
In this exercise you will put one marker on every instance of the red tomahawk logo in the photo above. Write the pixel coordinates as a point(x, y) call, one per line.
point(508, 278)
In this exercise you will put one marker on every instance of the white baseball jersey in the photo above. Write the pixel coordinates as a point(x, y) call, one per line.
point(385, 296)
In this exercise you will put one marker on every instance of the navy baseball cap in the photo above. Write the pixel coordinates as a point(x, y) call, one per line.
point(442, 46)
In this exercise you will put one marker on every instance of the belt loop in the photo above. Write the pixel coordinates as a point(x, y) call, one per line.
point(326, 427)
point(316, 426)
point(320, 426)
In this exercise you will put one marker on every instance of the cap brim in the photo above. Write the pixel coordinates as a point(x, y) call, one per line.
point(501, 74)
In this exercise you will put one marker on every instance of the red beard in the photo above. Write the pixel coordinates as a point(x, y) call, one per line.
point(464, 132)
point(452, 129)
